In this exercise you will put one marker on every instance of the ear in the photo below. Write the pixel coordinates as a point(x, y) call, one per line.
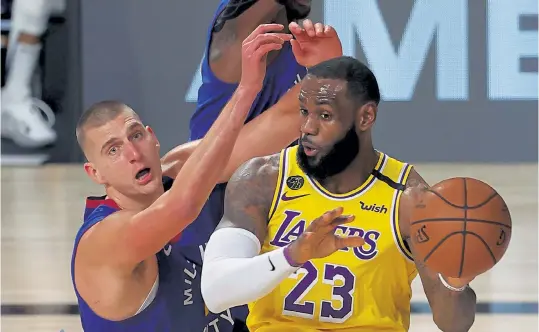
point(93, 173)
point(367, 116)
point(150, 130)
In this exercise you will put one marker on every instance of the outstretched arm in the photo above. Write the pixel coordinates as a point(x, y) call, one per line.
point(278, 126)
point(231, 259)
point(267, 134)
point(452, 310)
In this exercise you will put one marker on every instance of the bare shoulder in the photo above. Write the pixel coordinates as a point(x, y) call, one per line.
point(415, 185)
point(249, 194)
point(257, 171)
point(95, 245)
point(415, 181)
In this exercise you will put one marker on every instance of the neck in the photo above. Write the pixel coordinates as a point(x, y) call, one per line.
point(355, 174)
point(134, 203)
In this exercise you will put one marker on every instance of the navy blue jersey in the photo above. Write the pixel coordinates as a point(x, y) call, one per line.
point(178, 304)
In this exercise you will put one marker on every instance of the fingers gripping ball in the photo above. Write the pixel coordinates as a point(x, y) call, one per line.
point(460, 227)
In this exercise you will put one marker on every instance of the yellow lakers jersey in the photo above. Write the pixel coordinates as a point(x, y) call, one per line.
point(365, 288)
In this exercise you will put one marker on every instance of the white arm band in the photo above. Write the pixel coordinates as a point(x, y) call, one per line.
point(233, 272)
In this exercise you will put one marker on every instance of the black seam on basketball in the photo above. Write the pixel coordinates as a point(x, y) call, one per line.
point(444, 199)
point(494, 194)
point(460, 219)
point(439, 244)
point(461, 207)
point(486, 246)
point(465, 210)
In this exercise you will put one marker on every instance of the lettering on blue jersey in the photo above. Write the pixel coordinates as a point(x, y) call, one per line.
point(213, 326)
point(188, 291)
point(202, 249)
point(373, 208)
point(366, 252)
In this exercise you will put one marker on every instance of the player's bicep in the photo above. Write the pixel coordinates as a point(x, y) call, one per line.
point(249, 195)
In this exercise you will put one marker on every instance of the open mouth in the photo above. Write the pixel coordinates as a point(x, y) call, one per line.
point(310, 150)
point(142, 174)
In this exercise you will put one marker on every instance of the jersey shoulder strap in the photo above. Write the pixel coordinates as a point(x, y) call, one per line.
point(394, 172)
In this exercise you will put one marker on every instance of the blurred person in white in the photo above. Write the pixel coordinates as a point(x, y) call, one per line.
point(26, 119)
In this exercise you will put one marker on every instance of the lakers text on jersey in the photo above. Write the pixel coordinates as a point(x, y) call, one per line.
point(356, 289)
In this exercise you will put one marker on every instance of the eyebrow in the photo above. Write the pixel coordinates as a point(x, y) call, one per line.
point(113, 139)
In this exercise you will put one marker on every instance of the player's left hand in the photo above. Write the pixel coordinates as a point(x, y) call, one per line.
point(314, 43)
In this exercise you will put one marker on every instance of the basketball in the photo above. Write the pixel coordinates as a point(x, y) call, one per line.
point(460, 227)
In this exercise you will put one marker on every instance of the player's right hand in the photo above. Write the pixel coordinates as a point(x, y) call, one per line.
point(254, 51)
point(319, 239)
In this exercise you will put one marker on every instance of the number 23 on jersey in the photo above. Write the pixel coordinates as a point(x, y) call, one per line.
point(307, 301)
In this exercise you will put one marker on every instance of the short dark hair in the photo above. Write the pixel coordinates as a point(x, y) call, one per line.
point(361, 83)
point(97, 115)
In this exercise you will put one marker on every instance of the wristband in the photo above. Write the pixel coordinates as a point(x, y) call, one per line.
point(289, 259)
point(448, 286)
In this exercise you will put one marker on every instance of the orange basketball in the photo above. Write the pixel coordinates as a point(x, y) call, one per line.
point(460, 227)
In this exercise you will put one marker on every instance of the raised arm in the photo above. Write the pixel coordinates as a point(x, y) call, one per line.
point(267, 134)
point(135, 237)
point(453, 310)
point(279, 125)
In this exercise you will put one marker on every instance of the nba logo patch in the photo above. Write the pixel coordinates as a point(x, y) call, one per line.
point(295, 182)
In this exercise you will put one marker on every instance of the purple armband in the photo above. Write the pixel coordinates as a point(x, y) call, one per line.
point(289, 259)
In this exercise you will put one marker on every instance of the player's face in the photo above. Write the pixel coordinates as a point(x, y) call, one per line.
point(124, 155)
point(296, 9)
point(329, 141)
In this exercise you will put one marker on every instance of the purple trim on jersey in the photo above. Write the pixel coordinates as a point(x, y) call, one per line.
point(327, 193)
point(284, 169)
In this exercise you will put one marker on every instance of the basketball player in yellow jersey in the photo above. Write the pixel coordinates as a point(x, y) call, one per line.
point(301, 269)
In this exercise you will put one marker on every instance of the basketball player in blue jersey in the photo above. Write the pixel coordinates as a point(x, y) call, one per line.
point(285, 247)
point(124, 272)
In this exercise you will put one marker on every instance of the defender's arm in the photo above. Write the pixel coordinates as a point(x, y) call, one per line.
point(266, 134)
point(132, 236)
point(233, 272)
point(452, 310)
